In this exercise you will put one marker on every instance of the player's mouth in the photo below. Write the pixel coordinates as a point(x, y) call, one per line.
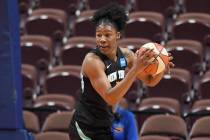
point(103, 48)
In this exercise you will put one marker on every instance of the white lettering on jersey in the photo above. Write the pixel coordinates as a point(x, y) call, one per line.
point(121, 74)
point(113, 76)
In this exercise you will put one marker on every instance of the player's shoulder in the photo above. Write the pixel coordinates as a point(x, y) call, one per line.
point(127, 52)
point(92, 56)
point(92, 60)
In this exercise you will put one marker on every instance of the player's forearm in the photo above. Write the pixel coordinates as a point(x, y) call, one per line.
point(114, 94)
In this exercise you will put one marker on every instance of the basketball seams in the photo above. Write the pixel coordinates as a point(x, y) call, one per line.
point(161, 58)
point(163, 63)
point(157, 65)
point(160, 49)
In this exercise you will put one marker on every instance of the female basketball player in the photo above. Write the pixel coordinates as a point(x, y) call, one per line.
point(103, 78)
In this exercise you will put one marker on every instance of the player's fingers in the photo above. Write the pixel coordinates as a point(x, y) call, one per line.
point(137, 52)
point(154, 62)
point(171, 64)
point(149, 53)
point(170, 58)
point(146, 51)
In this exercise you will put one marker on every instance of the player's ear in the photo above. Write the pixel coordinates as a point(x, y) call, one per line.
point(118, 35)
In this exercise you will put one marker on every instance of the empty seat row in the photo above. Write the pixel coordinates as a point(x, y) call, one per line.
point(165, 7)
point(156, 126)
point(66, 80)
point(61, 79)
point(38, 51)
point(149, 25)
point(160, 99)
point(159, 125)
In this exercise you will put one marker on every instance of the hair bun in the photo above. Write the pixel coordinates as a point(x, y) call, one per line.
point(114, 13)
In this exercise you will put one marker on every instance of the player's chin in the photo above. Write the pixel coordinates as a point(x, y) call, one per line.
point(104, 49)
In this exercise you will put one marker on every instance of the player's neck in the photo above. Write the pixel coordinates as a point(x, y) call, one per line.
point(113, 55)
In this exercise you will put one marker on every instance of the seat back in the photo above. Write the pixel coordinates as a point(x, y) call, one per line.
point(52, 136)
point(165, 7)
point(69, 6)
point(83, 26)
point(179, 80)
point(160, 124)
point(61, 80)
point(201, 6)
point(200, 128)
point(194, 26)
point(132, 43)
point(74, 52)
point(187, 54)
point(149, 25)
point(92, 4)
point(37, 50)
point(48, 22)
point(29, 83)
point(31, 122)
point(204, 85)
point(58, 121)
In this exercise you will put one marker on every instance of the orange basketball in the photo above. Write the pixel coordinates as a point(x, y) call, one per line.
point(162, 59)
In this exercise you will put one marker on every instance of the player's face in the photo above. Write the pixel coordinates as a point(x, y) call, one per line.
point(106, 38)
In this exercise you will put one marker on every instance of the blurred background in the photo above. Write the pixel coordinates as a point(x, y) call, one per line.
point(56, 35)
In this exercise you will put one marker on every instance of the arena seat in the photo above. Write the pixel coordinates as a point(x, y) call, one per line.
point(37, 50)
point(204, 86)
point(164, 125)
point(69, 6)
point(29, 83)
point(154, 137)
point(92, 4)
point(70, 81)
point(82, 26)
point(194, 26)
point(164, 7)
point(52, 136)
point(48, 22)
point(56, 101)
point(58, 121)
point(76, 47)
point(149, 25)
point(180, 79)
point(31, 122)
point(200, 129)
point(157, 105)
point(187, 54)
point(199, 6)
point(132, 43)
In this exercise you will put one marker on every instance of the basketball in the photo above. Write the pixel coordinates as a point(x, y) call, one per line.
point(162, 59)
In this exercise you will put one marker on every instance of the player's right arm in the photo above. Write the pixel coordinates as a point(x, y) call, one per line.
point(93, 68)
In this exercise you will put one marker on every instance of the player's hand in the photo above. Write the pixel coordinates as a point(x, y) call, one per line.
point(170, 64)
point(143, 59)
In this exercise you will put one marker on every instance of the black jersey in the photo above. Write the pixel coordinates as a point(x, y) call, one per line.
point(91, 109)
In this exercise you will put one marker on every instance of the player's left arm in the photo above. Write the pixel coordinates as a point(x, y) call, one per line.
point(148, 80)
